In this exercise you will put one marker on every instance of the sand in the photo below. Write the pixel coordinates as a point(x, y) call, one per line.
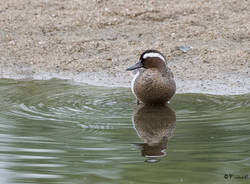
point(206, 43)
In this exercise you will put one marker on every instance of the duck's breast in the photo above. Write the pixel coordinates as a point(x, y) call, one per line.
point(153, 87)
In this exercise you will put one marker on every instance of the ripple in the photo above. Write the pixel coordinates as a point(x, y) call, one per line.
point(39, 176)
point(58, 101)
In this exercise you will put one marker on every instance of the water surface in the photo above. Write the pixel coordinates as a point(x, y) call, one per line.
point(59, 132)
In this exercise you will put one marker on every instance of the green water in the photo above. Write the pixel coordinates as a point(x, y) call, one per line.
point(58, 132)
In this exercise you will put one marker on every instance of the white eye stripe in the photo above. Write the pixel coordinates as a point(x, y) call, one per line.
point(153, 54)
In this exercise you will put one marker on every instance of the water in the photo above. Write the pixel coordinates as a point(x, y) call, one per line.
point(58, 132)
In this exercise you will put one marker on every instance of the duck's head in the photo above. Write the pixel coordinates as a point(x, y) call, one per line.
point(150, 59)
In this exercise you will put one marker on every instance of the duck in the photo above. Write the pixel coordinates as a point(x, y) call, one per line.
point(153, 83)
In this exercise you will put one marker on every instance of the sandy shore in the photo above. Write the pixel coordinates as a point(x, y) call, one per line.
point(94, 41)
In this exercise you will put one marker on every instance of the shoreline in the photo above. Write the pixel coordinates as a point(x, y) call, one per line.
point(236, 86)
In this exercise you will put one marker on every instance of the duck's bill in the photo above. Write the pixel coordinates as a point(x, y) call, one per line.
point(136, 66)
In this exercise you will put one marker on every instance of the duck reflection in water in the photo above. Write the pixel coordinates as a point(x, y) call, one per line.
point(155, 126)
